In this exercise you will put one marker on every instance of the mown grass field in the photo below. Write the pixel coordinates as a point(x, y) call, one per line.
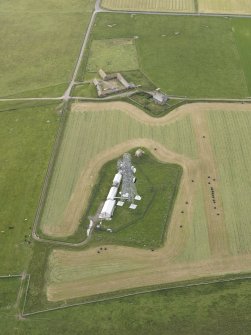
point(201, 6)
point(224, 6)
point(80, 146)
point(197, 236)
point(113, 55)
point(131, 227)
point(197, 245)
point(230, 136)
point(150, 5)
point(40, 42)
point(26, 139)
point(173, 52)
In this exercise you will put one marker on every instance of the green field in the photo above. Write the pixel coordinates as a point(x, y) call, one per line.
point(219, 309)
point(26, 139)
point(113, 55)
point(136, 227)
point(85, 90)
point(197, 57)
point(40, 42)
point(8, 293)
point(230, 135)
point(197, 243)
point(74, 156)
point(173, 52)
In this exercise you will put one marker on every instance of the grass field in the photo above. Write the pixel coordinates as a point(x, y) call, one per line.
point(136, 227)
point(40, 42)
point(224, 6)
point(113, 55)
point(230, 138)
point(60, 219)
point(173, 52)
point(8, 293)
point(150, 5)
point(202, 236)
point(86, 90)
point(242, 37)
point(27, 135)
point(219, 309)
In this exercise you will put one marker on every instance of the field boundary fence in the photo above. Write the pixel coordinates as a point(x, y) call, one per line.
point(131, 294)
point(50, 168)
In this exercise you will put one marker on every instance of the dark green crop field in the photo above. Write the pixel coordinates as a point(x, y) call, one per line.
point(200, 57)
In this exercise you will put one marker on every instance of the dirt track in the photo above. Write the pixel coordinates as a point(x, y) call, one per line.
point(159, 266)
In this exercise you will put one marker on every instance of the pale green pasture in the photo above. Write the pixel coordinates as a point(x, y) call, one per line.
point(150, 5)
point(58, 272)
point(230, 137)
point(196, 230)
point(225, 6)
point(89, 133)
point(113, 55)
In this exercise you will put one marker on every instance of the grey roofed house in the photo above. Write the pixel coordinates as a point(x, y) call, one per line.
point(159, 97)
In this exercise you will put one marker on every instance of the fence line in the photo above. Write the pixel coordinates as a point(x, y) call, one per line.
point(158, 289)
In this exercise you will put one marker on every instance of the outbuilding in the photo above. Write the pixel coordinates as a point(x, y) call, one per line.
point(107, 210)
point(117, 179)
point(112, 193)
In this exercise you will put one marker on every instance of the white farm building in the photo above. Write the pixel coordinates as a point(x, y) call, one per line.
point(108, 209)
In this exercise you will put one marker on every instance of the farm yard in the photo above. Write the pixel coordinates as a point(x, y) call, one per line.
point(187, 68)
point(150, 5)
